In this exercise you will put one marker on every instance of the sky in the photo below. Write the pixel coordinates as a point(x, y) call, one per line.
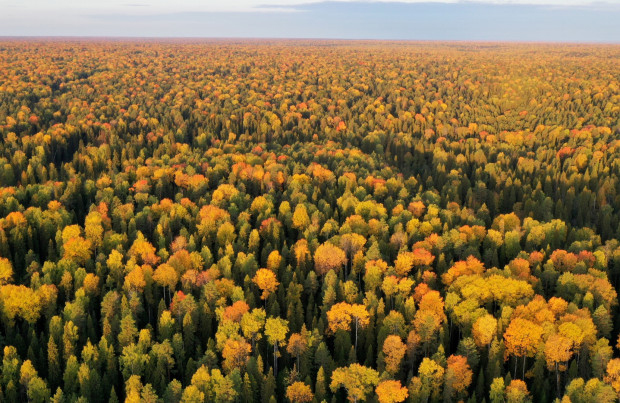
point(489, 20)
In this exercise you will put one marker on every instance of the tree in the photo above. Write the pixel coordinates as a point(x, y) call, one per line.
point(276, 330)
point(299, 392)
point(328, 257)
point(522, 338)
point(235, 353)
point(340, 315)
point(431, 376)
point(266, 280)
point(166, 276)
point(143, 251)
point(558, 350)
point(373, 277)
point(93, 229)
point(191, 394)
point(471, 266)
point(498, 391)
point(404, 263)
point(236, 311)
point(394, 350)
point(613, 374)
point(361, 318)
point(458, 375)
point(391, 392)
point(484, 330)
point(297, 345)
point(357, 379)
point(77, 250)
point(300, 218)
point(19, 301)
point(352, 244)
point(6, 271)
point(252, 324)
point(517, 392)
point(429, 317)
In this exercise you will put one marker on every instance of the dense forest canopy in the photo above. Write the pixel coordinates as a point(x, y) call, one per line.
point(254, 221)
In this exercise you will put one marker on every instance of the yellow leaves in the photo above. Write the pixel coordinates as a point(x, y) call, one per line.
point(374, 270)
point(370, 209)
point(77, 249)
point(91, 284)
point(252, 323)
point(211, 217)
point(299, 392)
point(613, 374)
point(15, 219)
point(26, 373)
point(69, 232)
point(431, 374)
point(394, 350)
point(236, 354)
point(135, 280)
point(468, 267)
point(522, 337)
point(302, 253)
point(404, 263)
point(484, 330)
point(328, 257)
point(6, 271)
point(260, 205)
point(276, 330)
point(20, 301)
point(581, 161)
point(352, 243)
point(429, 316)
point(391, 392)
point(558, 350)
point(390, 285)
point(300, 217)
point(166, 276)
point(359, 314)
point(143, 251)
point(93, 228)
point(516, 392)
point(340, 315)
point(573, 333)
point(223, 193)
point(357, 379)
point(266, 280)
point(458, 373)
point(274, 260)
point(339, 318)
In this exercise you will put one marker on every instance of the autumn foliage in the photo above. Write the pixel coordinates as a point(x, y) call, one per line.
point(308, 221)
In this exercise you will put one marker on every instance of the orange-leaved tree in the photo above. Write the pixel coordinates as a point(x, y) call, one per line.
point(391, 391)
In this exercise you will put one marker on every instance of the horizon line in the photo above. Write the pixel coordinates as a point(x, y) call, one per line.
point(292, 39)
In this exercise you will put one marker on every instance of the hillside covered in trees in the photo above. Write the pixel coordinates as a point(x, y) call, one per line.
point(252, 221)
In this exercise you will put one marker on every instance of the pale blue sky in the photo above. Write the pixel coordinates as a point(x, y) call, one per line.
point(526, 20)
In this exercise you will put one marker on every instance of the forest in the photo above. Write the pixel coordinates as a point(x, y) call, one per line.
point(309, 221)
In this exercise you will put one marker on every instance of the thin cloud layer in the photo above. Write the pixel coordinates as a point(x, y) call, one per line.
point(492, 20)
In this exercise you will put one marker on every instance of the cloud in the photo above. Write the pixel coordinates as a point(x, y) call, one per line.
point(336, 19)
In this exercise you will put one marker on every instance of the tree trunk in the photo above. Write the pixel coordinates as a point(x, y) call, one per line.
point(516, 361)
point(275, 359)
point(356, 336)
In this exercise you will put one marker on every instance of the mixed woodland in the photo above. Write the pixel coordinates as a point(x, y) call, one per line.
point(309, 221)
